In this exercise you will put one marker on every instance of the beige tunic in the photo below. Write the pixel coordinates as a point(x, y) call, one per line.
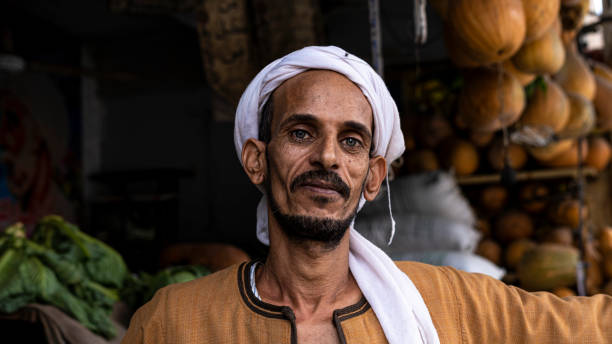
point(465, 308)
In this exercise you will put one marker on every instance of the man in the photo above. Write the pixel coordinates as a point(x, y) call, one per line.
point(315, 131)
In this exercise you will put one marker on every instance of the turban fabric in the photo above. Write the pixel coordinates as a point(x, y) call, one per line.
point(395, 300)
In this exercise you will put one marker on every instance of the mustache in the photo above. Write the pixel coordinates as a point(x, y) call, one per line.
point(329, 177)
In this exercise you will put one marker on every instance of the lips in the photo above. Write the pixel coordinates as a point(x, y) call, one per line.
point(322, 185)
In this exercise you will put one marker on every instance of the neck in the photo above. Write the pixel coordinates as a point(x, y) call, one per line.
point(307, 276)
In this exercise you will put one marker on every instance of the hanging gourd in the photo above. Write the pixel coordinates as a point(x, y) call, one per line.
point(548, 107)
point(524, 78)
point(490, 99)
point(544, 55)
point(598, 155)
point(575, 75)
point(483, 32)
point(539, 16)
point(582, 116)
point(602, 103)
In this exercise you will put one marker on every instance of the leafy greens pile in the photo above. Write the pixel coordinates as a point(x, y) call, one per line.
point(64, 267)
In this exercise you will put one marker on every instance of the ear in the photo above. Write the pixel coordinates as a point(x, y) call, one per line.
point(254, 160)
point(376, 175)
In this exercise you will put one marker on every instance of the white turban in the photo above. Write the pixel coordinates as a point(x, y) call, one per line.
point(395, 300)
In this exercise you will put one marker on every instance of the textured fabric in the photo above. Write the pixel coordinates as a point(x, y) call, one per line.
point(467, 308)
point(395, 300)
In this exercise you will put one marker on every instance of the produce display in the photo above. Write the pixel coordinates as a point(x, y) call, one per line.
point(64, 267)
point(518, 96)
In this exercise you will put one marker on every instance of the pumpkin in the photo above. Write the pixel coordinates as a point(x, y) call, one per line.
point(567, 213)
point(551, 150)
point(490, 100)
point(459, 155)
point(544, 55)
point(423, 160)
point(602, 70)
point(602, 103)
point(575, 75)
point(547, 108)
point(561, 236)
point(582, 116)
point(483, 32)
point(563, 292)
point(481, 138)
point(598, 155)
point(524, 78)
point(513, 225)
point(517, 156)
point(548, 266)
point(489, 249)
point(493, 198)
point(516, 250)
point(594, 273)
point(533, 197)
point(539, 16)
point(568, 158)
point(605, 239)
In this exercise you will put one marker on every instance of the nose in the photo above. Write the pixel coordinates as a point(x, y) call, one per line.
point(326, 155)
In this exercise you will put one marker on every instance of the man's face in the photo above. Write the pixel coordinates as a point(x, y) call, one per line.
point(318, 155)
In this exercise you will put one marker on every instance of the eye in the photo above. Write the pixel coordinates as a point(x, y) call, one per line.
point(300, 134)
point(351, 142)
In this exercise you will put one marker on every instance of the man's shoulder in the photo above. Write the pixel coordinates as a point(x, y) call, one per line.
point(216, 282)
point(412, 267)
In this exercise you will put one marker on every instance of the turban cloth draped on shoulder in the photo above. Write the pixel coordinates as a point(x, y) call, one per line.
point(395, 300)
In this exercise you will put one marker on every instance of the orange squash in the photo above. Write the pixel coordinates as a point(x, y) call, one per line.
point(490, 100)
point(602, 103)
point(575, 75)
point(568, 158)
point(534, 197)
point(582, 116)
point(490, 250)
point(605, 239)
point(563, 292)
point(481, 138)
point(493, 198)
point(459, 155)
point(517, 155)
point(513, 225)
point(599, 153)
point(560, 235)
point(516, 249)
point(539, 16)
point(602, 70)
point(522, 77)
point(544, 55)
point(547, 108)
point(551, 151)
point(483, 32)
point(567, 213)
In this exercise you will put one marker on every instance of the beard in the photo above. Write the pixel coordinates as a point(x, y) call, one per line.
point(303, 228)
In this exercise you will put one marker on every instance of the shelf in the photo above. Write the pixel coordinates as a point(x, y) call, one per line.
point(570, 172)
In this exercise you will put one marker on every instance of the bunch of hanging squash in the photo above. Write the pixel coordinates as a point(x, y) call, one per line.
point(522, 68)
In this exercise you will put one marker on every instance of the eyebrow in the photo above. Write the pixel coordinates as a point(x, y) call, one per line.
point(298, 117)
